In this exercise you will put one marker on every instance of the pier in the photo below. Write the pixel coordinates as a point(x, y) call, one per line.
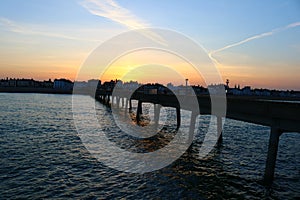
point(280, 116)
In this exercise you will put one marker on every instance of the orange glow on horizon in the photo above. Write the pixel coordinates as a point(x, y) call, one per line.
point(149, 66)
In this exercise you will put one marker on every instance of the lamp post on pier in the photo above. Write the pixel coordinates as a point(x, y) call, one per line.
point(186, 85)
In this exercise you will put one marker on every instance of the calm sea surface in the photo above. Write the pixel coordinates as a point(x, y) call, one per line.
point(42, 156)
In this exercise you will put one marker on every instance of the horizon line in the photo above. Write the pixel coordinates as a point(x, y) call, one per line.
point(236, 85)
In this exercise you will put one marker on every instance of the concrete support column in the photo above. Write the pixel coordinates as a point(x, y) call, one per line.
point(130, 104)
point(126, 108)
point(191, 131)
point(122, 102)
point(219, 129)
point(192, 126)
point(178, 116)
point(139, 112)
point(157, 108)
point(108, 99)
point(272, 154)
point(112, 99)
point(118, 101)
point(126, 103)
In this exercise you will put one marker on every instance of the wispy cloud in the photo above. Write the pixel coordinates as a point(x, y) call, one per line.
point(113, 11)
point(292, 25)
point(255, 37)
point(18, 28)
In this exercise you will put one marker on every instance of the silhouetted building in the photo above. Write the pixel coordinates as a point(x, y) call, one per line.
point(94, 83)
point(63, 84)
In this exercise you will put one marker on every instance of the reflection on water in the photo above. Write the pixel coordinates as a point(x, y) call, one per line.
point(281, 101)
point(42, 156)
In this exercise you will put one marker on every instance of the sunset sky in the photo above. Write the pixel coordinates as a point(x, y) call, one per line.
point(253, 43)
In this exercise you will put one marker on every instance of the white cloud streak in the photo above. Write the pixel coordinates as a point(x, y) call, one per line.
point(113, 11)
point(21, 29)
point(255, 37)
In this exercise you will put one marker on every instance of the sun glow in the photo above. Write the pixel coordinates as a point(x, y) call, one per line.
point(152, 66)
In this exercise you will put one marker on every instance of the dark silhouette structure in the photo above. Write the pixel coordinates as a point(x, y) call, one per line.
point(279, 115)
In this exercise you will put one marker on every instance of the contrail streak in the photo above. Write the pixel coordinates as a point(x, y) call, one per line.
point(255, 37)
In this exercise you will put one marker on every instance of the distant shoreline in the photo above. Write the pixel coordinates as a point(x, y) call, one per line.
point(34, 90)
point(64, 91)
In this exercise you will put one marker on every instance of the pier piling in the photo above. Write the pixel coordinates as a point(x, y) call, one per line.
point(130, 104)
point(178, 116)
point(219, 130)
point(192, 125)
point(157, 108)
point(139, 112)
point(122, 102)
point(118, 102)
point(272, 154)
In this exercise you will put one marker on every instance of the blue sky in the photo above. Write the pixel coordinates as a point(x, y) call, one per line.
point(253, 42)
